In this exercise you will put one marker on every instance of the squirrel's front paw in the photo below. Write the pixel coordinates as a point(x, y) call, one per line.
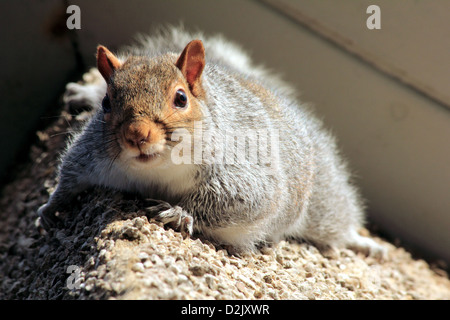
point(46, 219)
point(88, 95)
point(178, 218)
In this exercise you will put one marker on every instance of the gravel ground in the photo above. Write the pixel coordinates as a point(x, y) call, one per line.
point(107, 248)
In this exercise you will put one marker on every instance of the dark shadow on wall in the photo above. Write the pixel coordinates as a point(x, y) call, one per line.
point(40, 56)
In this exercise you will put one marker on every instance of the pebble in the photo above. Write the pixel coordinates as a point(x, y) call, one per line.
point(131, 232)
point(182, 279)
point(241, 287)
point(210, 280)
point(116, 287)
point(198, 270)
point(138, 267)
point(175, 268)
point(247, 282)
point(139, 222)
point(169, 260)
point(156, 260)
point(143, 256)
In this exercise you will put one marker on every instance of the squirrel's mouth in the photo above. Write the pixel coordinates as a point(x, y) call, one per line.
point(143, 157)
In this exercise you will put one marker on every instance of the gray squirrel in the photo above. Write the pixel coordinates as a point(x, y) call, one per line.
point(169, 82)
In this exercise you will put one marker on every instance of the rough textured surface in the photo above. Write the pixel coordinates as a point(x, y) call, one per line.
point(108, 248)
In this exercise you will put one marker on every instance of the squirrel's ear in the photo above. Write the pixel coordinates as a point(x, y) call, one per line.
point(106, 62)
point(191, 63)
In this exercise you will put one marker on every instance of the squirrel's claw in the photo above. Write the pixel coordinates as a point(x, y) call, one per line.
point(153, 207)
point(178, 218)
point(175, 216)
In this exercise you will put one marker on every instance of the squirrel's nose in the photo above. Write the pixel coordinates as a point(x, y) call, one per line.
point(137, 133)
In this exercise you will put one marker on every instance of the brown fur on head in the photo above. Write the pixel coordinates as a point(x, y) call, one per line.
point(141, 94)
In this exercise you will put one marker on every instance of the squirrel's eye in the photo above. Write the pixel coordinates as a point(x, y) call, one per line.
point(106, 104)
point(181, 99)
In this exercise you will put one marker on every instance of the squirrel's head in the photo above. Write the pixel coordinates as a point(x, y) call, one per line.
point(147, 99)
